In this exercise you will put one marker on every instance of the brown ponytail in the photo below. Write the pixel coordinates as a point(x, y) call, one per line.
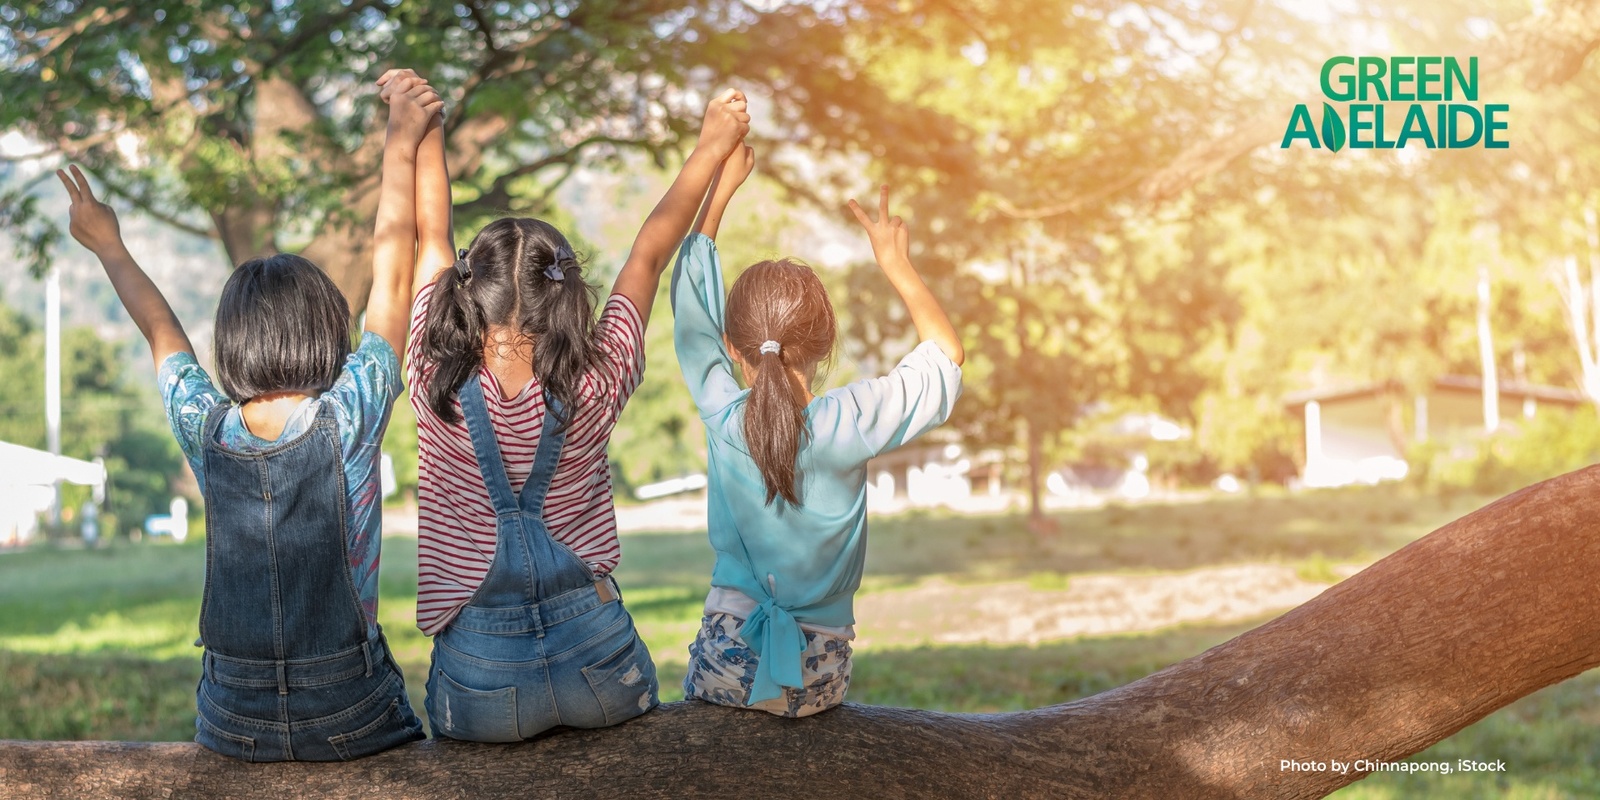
point(780, 321)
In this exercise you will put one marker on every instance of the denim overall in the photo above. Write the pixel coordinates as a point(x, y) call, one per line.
point(289, 673)
point(542, 642)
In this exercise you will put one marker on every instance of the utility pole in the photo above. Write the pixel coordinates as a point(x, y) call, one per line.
point(1491, 381)
point(52, 378)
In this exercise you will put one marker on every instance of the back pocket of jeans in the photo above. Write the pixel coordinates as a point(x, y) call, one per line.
point(224, 742)
point(474, 715)
point(625, 681)
point(390, 729)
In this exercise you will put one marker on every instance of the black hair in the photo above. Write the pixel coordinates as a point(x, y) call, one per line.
point(520, 273)
point(779, 317)
point(281, 326)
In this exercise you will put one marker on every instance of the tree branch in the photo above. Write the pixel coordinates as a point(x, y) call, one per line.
point(1416, 647)
point(147, 207)
point(308, 30)
point(54, 38)
point(498, 195)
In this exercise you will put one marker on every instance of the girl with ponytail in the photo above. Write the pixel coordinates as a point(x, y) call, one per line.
point(787, 468)
point(517, 387)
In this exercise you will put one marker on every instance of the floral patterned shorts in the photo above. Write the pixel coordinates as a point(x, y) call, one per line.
point(722, 669)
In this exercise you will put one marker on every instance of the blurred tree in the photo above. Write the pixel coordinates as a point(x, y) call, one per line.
point(255, 124)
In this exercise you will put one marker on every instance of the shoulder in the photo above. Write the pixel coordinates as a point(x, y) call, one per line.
point(621, 311)
point(370, 379)
point(373, 349)
point(699, 250)
point(183, 382)
point(178, 367)
point(930, 357)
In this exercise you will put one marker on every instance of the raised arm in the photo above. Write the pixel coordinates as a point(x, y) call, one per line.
point(731, 174)
point(435, 230)
point(725, 125)
point(95, 226)
point(412, 104)
point(891, 246)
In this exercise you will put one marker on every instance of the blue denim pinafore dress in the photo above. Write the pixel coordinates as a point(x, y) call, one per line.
point(289, 673)
point(542, 642)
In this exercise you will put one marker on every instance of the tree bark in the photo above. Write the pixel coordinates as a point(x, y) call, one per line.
point(1421, 644)
point(1035, 475)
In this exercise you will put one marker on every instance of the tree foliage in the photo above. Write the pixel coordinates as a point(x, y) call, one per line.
point(1095, 188)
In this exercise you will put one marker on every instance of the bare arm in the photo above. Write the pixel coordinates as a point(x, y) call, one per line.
point(731, 174)
point(412, 103)
point(436, 249)
point(725, 125)
point(95, 226)
point(891, 245)
point(436, 241)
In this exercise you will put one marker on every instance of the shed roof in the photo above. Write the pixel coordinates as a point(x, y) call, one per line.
point(1447, 383)
point(25, 466)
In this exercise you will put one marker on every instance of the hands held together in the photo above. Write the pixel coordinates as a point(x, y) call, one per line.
point(727, 121)
point(414, 106)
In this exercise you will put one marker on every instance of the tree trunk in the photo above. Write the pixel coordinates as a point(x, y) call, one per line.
point(1035, 478)
point(1491, 373)
point(1421, 644)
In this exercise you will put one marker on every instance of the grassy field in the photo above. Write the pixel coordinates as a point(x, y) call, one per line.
point(99, 645)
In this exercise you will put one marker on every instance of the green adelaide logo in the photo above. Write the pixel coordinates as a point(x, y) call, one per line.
point(1444, 113)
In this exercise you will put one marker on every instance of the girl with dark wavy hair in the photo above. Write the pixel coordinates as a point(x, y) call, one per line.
point(517, 387)
point(787, 476)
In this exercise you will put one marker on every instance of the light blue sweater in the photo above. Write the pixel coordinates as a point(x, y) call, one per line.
point(799, 563)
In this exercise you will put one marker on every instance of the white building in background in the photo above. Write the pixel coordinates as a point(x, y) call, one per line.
point(1348, 431)
point(27, 487)
point(931, 472)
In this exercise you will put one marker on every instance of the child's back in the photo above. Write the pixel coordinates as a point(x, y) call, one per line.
point(295, 667)
point(787, 470)
point(517, 389)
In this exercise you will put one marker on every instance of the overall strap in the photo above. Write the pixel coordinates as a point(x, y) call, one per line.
point(214, 418)
point(551, 437)
point(475, 412)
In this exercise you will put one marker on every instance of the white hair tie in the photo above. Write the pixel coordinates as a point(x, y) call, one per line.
point(770, 346)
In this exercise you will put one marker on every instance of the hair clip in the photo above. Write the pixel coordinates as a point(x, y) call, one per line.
point(463, 269)
point(770, 346)
point(556, 271)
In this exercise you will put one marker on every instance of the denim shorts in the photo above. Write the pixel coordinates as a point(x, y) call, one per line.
point(338, 710)
point(590, 669)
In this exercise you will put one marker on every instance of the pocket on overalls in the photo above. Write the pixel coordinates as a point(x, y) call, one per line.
point(393, 727)
point(474, 715)
point(223, 742)
point(624, 682)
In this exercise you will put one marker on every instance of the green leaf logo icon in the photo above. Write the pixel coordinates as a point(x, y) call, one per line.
point(1332, 128)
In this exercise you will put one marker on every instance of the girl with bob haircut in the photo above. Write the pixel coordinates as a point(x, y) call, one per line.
point(787, 479)
point(517, 387)
point(286, 454)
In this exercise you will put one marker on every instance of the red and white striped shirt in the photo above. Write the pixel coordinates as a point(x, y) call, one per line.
point(455, 520)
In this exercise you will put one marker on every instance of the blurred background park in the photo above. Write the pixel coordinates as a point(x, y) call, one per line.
point(1207, 376)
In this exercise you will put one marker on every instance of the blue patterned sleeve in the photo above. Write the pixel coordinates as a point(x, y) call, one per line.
point(365, 393)
point(697, 312)
point(187, 394)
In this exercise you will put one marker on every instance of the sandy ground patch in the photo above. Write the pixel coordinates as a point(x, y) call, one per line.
point(940, 612)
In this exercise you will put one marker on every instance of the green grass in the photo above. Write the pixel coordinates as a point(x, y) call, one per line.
point(99, 644)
